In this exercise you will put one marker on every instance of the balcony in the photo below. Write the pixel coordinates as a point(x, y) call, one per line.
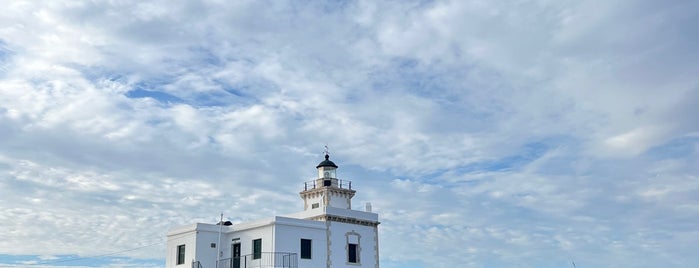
point(318, 183)
point(261, 260)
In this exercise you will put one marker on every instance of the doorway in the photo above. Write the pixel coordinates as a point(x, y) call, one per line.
point(235, 255)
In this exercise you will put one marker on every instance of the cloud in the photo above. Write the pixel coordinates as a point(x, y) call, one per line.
point(532, 133)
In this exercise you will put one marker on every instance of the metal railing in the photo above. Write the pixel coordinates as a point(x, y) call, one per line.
point(261, 260)
point(342, 184)
point(196, 264)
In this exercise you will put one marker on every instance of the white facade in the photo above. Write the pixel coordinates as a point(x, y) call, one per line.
point(338, 236)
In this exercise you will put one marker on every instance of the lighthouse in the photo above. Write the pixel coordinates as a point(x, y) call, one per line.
point(327, 233)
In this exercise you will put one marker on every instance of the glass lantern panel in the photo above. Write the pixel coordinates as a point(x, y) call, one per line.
point(326, 172)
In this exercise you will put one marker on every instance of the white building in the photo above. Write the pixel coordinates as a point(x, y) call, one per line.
point(327, 233)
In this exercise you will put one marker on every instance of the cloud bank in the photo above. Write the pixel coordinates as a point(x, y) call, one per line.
point(527, 133)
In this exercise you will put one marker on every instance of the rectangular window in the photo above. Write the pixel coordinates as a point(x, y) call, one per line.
point(256, 249)
point(352, 251)
point(315, 205)
point(180, 254)
point(305, 248)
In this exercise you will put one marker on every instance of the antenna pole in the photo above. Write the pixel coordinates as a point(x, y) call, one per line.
point(218, 246)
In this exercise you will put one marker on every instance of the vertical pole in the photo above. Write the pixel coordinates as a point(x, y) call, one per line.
point(218, 246)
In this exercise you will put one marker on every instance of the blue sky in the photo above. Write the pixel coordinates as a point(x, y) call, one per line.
point(484, 133)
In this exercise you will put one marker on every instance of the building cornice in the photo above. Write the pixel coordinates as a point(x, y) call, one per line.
point(349, 220)
point(328, 189)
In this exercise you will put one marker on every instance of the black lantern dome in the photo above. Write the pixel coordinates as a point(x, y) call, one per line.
point(327, 162)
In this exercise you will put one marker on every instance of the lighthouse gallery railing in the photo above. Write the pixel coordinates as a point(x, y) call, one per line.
point(262, 260)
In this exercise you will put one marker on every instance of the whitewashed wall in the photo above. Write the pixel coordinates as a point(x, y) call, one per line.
point(197, 239)
point(313, 200)
point(339, 200)
point(338, 245)
point(245, 235)
point(288, 234)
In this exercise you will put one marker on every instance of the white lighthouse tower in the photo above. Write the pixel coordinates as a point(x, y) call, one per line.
point(327, 233)
point(327, 190)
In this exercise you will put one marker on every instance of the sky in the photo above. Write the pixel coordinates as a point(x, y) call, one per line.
point(484, 133)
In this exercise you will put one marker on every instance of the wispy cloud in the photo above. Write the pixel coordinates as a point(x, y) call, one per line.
point(524, 134)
